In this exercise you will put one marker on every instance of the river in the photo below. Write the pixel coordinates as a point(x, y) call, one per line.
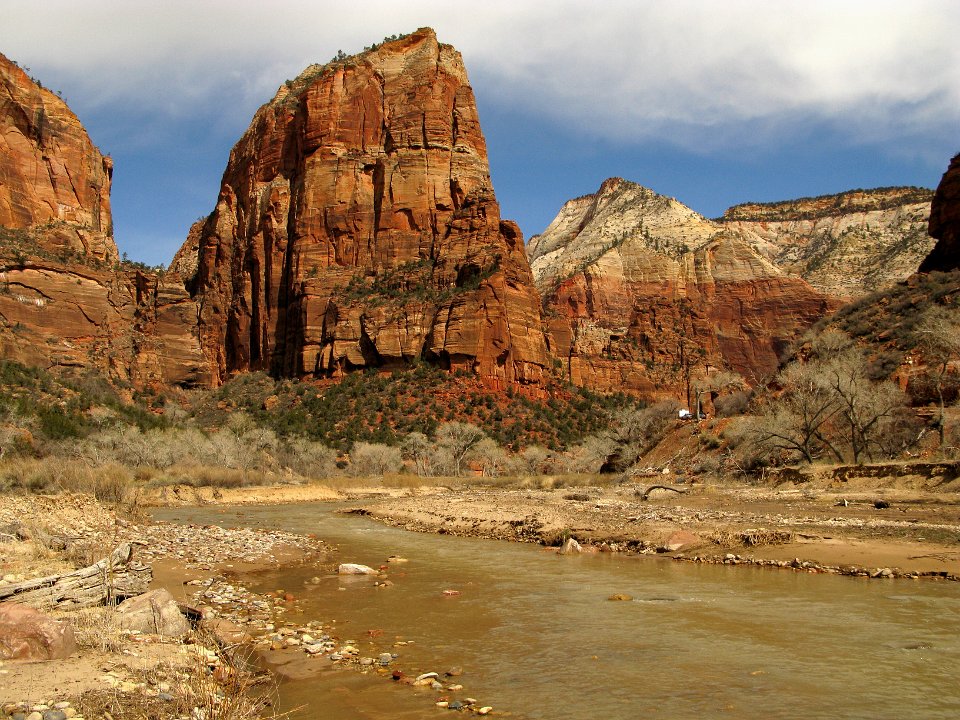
point(537, 636)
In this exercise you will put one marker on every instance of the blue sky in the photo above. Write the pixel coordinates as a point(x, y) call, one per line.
point(714, 103)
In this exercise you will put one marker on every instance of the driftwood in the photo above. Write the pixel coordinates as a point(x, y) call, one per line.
point(645, 495)
point(114, 578)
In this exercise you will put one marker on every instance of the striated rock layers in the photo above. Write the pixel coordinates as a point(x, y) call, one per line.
point(643, 294)
point(53, 180)
point(844, 245)
point(945, 222)
point(65, 300)
point(357, 227)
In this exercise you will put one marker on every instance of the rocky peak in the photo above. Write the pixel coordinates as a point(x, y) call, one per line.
point(642, 293)
point(357, 227)
point(620, 212)
point(54, 183)
point(945, 222)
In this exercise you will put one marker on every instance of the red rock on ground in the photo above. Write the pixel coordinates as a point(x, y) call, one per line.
point(28, 634)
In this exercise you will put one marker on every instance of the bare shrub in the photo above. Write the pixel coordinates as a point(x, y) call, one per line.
point(374, 459)
point(634, 432)
point(308, 458)
point(735, 403)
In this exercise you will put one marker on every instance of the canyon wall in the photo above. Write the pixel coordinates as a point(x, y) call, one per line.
point(643, 294)
point(945, 222)
point(66, 301)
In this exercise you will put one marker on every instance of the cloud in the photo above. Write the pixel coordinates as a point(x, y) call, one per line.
point(688, 72)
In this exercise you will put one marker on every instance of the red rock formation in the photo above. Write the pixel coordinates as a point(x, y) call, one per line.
point(52, 178)
point(945, 222)
point(643, 294)
point(357, 227)
point(65, 300)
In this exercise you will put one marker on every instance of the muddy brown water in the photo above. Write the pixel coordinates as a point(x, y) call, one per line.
point(537, 637)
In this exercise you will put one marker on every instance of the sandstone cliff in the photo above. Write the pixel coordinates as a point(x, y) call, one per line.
point(65, 299)
point(844, 245)
point(945, 222)
point(53, 180)
point(642, 293)
point(357, 227)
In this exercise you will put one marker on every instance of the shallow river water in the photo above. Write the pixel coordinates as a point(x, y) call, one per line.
point(536, 635)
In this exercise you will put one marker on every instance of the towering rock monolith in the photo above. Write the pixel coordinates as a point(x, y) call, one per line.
point(357, 227)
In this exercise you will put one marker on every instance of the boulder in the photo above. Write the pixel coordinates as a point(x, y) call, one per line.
point(682, 539)
point(28, 634)
point(570, 547)
point(355, 569)
point(226, 632)
point(153, 612)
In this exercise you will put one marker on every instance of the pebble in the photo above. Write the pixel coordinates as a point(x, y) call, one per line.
point(385, 658)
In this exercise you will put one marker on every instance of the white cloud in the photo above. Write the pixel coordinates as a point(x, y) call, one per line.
point(734, 71)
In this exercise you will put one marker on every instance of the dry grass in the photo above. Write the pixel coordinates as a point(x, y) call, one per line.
point(96, 628)
point(209, 686)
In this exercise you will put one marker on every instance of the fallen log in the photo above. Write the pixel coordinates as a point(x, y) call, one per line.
point(108, 581)
point(645, 495)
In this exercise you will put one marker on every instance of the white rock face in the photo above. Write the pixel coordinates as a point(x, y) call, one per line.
point(845, 246)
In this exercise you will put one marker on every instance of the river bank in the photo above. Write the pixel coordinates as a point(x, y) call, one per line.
point(893, 533)
point(888, 527)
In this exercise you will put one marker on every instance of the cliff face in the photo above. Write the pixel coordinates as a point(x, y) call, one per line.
point(135, 327)
point(52, 178)
point(357, 227)
point(642, 293)
point(844, 245)
point(945, 222)
point(65, 300)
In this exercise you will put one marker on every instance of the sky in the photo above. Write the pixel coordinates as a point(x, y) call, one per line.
point(711, 102)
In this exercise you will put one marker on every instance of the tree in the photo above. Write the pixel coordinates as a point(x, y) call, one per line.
point(632, 433)
point(795, 422)
point(866, 408)
point(829, 404)
point(459, 439)
point(938, 337)
point(417, 448)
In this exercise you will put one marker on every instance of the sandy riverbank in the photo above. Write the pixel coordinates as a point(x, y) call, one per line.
point(918, 534)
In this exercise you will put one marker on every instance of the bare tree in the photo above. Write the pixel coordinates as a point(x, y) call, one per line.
point(938, 336)
point(417, 448)
point(795, 422)
point(459, 439)
point(634, 432)
point(865, 408)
